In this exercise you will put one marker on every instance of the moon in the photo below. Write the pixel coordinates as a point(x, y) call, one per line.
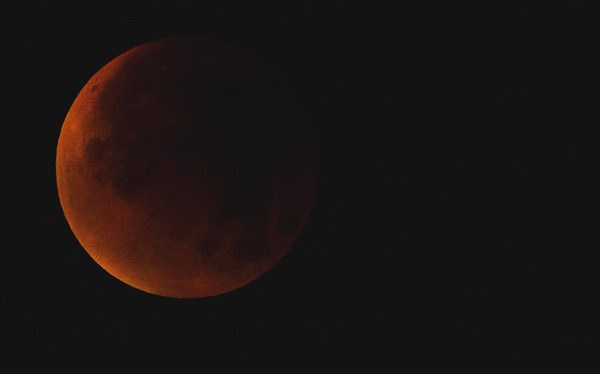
point(185, 167)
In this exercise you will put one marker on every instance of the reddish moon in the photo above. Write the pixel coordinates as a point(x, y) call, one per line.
point(184, 167)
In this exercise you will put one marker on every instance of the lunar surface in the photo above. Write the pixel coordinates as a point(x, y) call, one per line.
point(183, 168)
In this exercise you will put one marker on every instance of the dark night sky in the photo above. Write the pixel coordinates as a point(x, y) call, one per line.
point(449, 233)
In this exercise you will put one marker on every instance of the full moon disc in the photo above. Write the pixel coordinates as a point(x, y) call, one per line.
point(184, 167)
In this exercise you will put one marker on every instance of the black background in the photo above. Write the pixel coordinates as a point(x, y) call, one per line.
point(450, 233)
